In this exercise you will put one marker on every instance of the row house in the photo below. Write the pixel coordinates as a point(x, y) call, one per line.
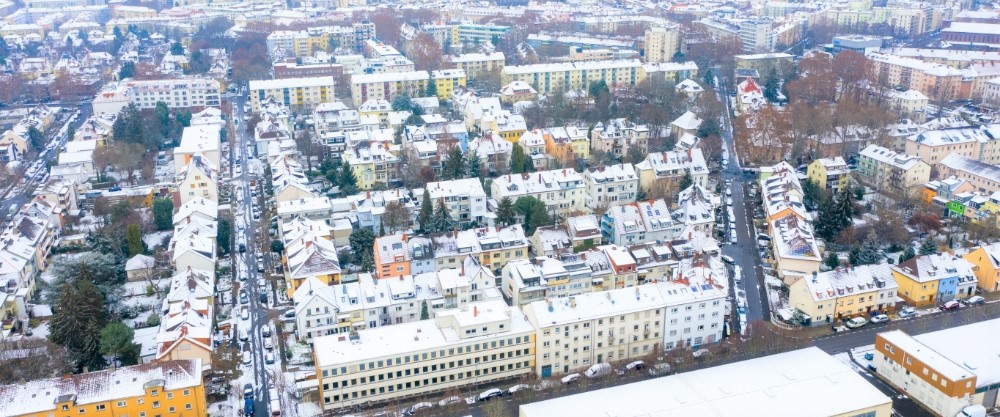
point(843, 293)
point(610, 185)
point(667, 168)
point(926, 280)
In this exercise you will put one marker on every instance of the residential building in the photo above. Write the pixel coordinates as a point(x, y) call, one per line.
point(464, 198)
point(663, 43)
point(189, 92)
point(888, 171)
point(493, 152)
point(687, 124)
point(310, 257)
point(986, 266)
point(794, 247)
point(519, 91)
point(562, 190)
point(203, 140)
point(476, 33)
point(932, 279)
point(546, 78)
point(776, 383)
point(291, 69)
point(374, 164)
point(941, 370)
point(475, 64)
point(618, 136)
point(447, 81)
point(831, 174)
point(781, 192)
point(296, 94)
point(199, 178)
point(167, 388)
point(665, 169)
point(983, 177)
point(429, 356)
point(493, 247)
point(640, 222)
point(936, 81)
point(756, 35)
point(392, 256)
point(843, 293)
point(696, 209)
point(610, 185)
point(764, 63)
point(366, 87)
point(567, 144)
point(910, 104)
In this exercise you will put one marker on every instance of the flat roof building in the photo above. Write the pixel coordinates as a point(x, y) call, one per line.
point(800, 383)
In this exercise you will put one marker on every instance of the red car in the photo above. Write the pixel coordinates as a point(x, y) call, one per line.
point(950, 305)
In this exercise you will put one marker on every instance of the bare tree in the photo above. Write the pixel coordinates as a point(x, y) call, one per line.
point(711, 147)
point(396, 217)
point(29, 359)
point(425, 52)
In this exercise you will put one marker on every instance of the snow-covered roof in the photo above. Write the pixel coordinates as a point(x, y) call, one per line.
point(972, 167)
point(847, 282)
point(980, 359)
point(138, 262)
point(886, 156)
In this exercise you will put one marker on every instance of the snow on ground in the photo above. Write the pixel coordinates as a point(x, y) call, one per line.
point(859, 354)
point(134, 295)
point(41, 331)
point(156, 238)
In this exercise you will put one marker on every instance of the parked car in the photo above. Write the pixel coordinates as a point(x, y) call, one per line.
point(489, 394)
point(880, 318)
point(415, 408)
point(631, 366)
point(907, 312)
point(570, 379)
point(974, 300)
point(659, 369)
point(265, 331)
point(263, 298)
point(728, 259)
point(449, 401)
point(856, 322)
point(268, 343)
point(517, 388)
point(950, 305)
point(248, 391)
point(245, 313)
point(544, 385)
point(247, 357)
point(269, 358)
point(598, 370)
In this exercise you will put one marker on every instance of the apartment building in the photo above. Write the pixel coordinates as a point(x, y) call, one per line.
point(492, 247)
point(310, 256)
point(983, 177)
point(662, 43)
point(567, 143)
point(843, 293)
point(986, 265)
point(928, 280)
point(667, 168)
point(366, 87)
point(610, 185)
point(892, 172)
point(475, 64)
point(640, 222)
point(203, 140)
point(781, 191)
point(306, 42)
point(562, 190)
point(172, 388)
point(447, 81)
point(757, 35)
point(480, 343)
point(191, 92)
point(775, 384)
point(464, 198)
point(296, 94)
point(830, 174)
point(547, 78)
point(199, 178)
point(618, 136)
point(294, 70)
point(374, 164)
point(793, 242)
point(392, 256)
point(476, 33)
point(936, 81)
point(525, 281)
point(933, 145)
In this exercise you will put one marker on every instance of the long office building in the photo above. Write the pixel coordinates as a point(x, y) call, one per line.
point(476, 344)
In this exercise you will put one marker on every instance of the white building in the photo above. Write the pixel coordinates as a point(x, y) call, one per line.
point(610, 185)
point(477, 344)
point(464, 198)
point(176, 93)
point(201, 139)
point(295, 93)
point(562, 190)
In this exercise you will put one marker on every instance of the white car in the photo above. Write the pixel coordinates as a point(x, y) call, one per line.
point(269, 358)
point(245, 314)
point(880, 318)
point(247, 357)
point(449, 401)
point(570, 379)
point(856, 323)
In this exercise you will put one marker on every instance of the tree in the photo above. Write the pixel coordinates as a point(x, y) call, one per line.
point(176, 49)
point(709, 126)
point(812, 194)
point(596, 88)
point(907, 254)
point(711, 147)
point(135, 243)
point(505, 212)
point(426, 215)
point(474, 167)
point(868, 253)
point(831, 260)
point(534, 213)
point(35, 138)
point(396, 217)
point(424, 314)
point(442, 219)
point(771, 86)
point(518, 160)
point(402, 102)
point(77, 320)
point(928, 246)
point(223, 236)
point(127, 70)
point(845, 208)
point(348, 182)
point(686, 181)
point(277, 246)
point(362, 243)
point(496, 409)
point(454, 164)
point(117, 342)
point(163, 213)
point(432, 90)
point(425, 53)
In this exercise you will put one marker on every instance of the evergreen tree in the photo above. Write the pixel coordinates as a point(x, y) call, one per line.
point(362, 243)
point(832, 260)
point(771, 86)
point(709, 126)
point(474, 167)
point(442, 219)
point(534, 212)
point(127, 70)
point(845, 209)
point(176, 49)
point(426, 215)
point(517, 159)
point(505, 212)
point(424, 314)
point(163, 212)
point(454, 164)
point(135, 244)
point(907, 254)
point(825, 224)
point(117, 342)
point(686, 181)
point(709, 78)
point(928, 246)
point(77, 320)
point(868, 254)
point(432, 88)
point(223, 235)
point(36, 140)
point(348, 182)
point(381, 228)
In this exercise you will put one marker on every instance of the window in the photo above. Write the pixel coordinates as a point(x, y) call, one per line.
point(121, 403)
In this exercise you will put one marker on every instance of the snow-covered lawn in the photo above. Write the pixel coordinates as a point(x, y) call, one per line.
point(154, 239)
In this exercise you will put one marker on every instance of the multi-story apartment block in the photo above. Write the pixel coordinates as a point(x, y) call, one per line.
point(562, 190)
point(547, 78)
point(667, 168)
point(794, 247)
point(493, 247)
point(475, 64)
point(294, 70)
point(567, 144)
point(464, 198)
point(843, 293)
point(310, 257)
point(933, 145)
point(936, 81)
point(610, 185)
point(640, 222)
point(524, 281)
point(171, 388)
point(477, 344)
point(983, 177)
point(392, 256)
point(477, 34)
point(830, 174)
point(890, 171)
point(663, 43)
point(618, 136)
point(933, 279)
point(366, 87)
point(176, 93)
point(199, 178)
point(297, 94)
point(757, 35)
point(203, 140)
point(304, 43)
point(374, 164)
point(447, 81)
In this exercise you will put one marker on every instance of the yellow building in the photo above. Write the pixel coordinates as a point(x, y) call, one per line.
point(297, 94)
point(375, 164)
point(662, 43)
point(844, 293)
point(165, 389)
point(829, 173)
point(447, 81)
point(986, 260)
point(567, 144)
point(927, 280)
point(547, 78)
point(479, 63)
point(315, 258)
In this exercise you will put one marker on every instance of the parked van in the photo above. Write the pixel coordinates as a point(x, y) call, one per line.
point(856, 322)
point(598, 370)
point(275, 408)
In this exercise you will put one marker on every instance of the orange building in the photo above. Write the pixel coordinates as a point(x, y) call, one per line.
point(392, 256)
